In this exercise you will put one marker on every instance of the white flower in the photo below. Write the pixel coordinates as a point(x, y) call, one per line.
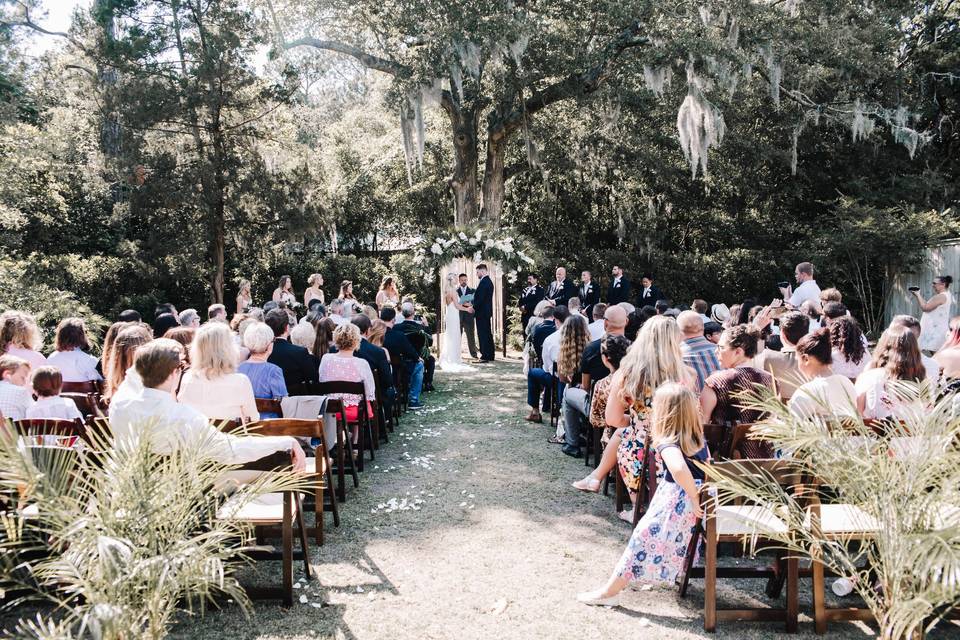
point(528, 260)
point(489, 243)
point(479, 234)
point(462, 235)
point(477, 257)
point(474, 241)
point(435, 249)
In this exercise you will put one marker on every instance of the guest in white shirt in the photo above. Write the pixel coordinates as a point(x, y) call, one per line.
point(47, 383)
point(807, 288)
point(71, 357)
point(20, 337)
point(120, 365)
point(154, 413)
point(824, 393)
point(212, 385)
point(930, 366)
point(896, 358)
point(596, 328)
point(850, 354)
point(15, 397)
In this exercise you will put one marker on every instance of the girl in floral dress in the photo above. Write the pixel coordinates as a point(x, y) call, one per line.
point(659, 544)
point(654, 359)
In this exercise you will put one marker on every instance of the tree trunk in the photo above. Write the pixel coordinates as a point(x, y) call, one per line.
point(465, 157)
point(494, 180)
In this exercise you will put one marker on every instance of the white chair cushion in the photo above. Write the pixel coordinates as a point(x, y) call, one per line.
point(30, 511)
point(839, 519)
point(311, 466)
point(265, 509)
point(746, 520)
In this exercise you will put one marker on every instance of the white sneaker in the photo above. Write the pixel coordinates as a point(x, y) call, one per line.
point(590, 598)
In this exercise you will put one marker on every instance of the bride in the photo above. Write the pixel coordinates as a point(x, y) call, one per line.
point(450, 359)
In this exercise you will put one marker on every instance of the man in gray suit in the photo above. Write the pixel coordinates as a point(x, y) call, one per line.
point(466, 318)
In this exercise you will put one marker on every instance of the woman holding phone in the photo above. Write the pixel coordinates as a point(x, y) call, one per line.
point(935, 321)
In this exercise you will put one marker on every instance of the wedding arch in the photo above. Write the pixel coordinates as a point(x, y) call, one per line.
point(460, 249)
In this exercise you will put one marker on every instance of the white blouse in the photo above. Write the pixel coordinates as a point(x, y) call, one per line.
point(54, 408)
point(75, 365)
point(225, 398)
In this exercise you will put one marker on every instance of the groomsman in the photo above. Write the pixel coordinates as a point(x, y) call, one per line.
point(619, 289)
point(650, 293)
point(466, 318)
point(531, 296)
point(589, 293)
point(561, 289)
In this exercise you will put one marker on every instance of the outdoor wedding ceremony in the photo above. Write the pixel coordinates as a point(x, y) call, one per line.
point(451, 320)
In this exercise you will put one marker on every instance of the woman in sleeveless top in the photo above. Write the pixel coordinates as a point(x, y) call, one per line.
point(934, 323)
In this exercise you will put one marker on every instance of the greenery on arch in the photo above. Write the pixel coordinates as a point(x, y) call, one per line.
point(504, 246)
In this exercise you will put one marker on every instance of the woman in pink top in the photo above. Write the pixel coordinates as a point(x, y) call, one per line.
point(342, 366)
point(20, 336)
point(212, 385)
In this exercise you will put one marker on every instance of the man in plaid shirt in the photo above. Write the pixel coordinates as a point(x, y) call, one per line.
point(698, 352)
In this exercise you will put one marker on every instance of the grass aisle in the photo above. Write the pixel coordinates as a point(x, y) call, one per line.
point(497, 548)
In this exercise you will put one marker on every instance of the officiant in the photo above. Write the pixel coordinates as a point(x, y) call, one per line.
point(466, 318)
point(529, 299)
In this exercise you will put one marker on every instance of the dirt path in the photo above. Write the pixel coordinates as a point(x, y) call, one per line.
point(496, 549)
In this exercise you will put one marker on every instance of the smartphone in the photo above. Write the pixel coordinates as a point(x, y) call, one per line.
point(783, 285)
point(913, 288)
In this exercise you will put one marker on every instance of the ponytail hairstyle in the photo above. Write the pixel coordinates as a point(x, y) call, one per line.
point(946, 280)
point(817, 345)
point(743, 336)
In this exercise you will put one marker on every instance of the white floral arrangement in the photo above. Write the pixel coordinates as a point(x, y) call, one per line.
point(512, 253)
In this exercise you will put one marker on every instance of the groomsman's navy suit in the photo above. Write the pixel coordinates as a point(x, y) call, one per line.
point(589, 296)
point(561, 294)
point(483, 313)
point(618, 292)
point(649, 298)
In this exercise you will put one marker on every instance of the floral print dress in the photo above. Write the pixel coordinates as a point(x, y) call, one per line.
point(631, 451)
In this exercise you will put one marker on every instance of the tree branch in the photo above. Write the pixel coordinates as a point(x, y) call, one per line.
point(369, 61)
point(577, 84)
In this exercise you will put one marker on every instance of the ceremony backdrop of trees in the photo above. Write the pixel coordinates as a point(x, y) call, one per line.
point(169, 148)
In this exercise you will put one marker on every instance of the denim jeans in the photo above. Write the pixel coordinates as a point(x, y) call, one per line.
point(416, 382)
point(574, 412)
point(538, 381)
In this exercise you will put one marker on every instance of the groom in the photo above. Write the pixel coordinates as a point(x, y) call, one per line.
point(483, 312)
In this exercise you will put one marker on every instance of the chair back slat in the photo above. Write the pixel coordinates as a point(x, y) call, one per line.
point(88, 403)
point(270, 405)
point(295, 427)
point(340, 386)
point(718, 436)
point(90, 386)
point(49, 427)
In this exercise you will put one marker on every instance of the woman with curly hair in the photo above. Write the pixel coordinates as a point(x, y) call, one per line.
point(849, 355)
point(653, 360)
point(574, 336)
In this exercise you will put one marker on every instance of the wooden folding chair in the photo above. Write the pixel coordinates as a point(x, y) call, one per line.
point(366, 428)
point(384, 420)
point(718, 436)
point(648, 482)
point(402, 382)
point(555, 400)
point(270, 405)
point(65, 429)
point(90, 386)
point(318, 467)
point(88, 403)
point(593, 438)
point(344, 447)
point(740, 524)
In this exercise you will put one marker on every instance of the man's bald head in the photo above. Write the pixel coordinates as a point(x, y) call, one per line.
point(615, 320)
point(690, 323)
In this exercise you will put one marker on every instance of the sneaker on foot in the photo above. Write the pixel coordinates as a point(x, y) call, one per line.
point(413, 406)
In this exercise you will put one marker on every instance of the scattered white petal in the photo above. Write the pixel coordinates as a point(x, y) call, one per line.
point(359, 589)
point(316, 605)
point(304, 599)
point(463, 504)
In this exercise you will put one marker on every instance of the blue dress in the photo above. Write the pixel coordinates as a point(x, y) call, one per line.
point(267, 381)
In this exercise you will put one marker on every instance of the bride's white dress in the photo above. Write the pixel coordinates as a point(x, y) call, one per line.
point(450, 358)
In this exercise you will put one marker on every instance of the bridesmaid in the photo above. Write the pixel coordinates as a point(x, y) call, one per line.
point(244, 297)
point(346, 294)
point(314, 292)
point(388, 293)
point(284, 292)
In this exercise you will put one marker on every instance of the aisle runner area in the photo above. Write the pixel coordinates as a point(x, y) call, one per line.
point(466, 526)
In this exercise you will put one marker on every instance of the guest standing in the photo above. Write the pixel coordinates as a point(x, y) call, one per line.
point(650, 294)
point(71, 356)
point(561, 289)
point(529, 299)
point(807, 287)
point(350, 304)
point(936, 314)
point(589, 293)
point(284, 292)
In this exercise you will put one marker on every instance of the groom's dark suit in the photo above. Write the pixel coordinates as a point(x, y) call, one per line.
point(483, 312)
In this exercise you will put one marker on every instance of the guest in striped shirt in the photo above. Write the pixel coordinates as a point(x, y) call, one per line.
point(698, 352)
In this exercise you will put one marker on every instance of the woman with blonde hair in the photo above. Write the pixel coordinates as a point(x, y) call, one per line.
point(388, 293)
point(20, 336)
point(659, 543)
point(314, 292)
point(212, 386)
point(653, 360)
point(121, 379)
point(378, 331)
point(343, 367)
point(896, 358)
point(244, 297)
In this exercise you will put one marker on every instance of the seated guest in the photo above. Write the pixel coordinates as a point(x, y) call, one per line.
point(15, 397)
point(948, 357)
point(377, 357)
point(265, 378)
point(576, 401)
point(700, 307)
point(540, 379)
point(734, 318)
point(172, 424)
point(189, 318)
point(719, 313)
point(411, 364)
point(613, 348)
point(47, 383)
point(573, 306)
point(185, 336)
point(896, 358)
point(719, 401)
point(165, 307)
point(810, 309)
point(108, 339)
point(850, 356)
point(129, 316)
point(830, 295)
point(336, 312)
point(539, 315)
point(698, 352)
point(20, 337)
point(122, 380)
point(303, 335)
point(370, 311)
point(833, 310)
point(931, 366)
point(71, 356)
point(323, 337)
point(421, 340)
point(341, 366)
point(216, 313)
point(212, 386)
point(712, 331)
point(634, 324)
point(546, 328)
point(661, 307)
point(163, 323)
point(825, 393)
point(378, 330)
point(782, 365)
point(298, 366)
point(573, 340)
point(596, 327)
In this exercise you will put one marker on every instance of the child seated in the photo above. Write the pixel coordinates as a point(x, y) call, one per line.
point(15, 396)
point(47, 382)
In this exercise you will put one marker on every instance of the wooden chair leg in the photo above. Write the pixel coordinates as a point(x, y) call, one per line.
point(793, 606)
point(302, 529)
point(318, 519)
point(710, 580)
point(332, 491)
point(287, 553)
point(688, 561)
point(341, 461)
point(819, 595)
point(361, 444)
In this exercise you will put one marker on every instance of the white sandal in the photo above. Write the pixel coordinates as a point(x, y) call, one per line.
point(588, 485)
